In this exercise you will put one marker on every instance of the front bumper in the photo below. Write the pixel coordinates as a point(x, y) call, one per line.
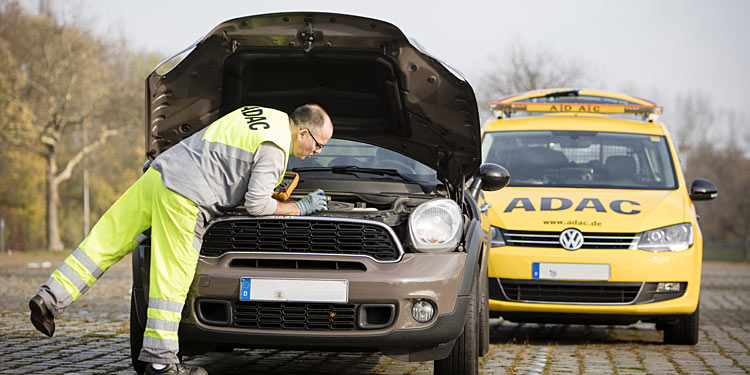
point(626, 267)
point(434, 277)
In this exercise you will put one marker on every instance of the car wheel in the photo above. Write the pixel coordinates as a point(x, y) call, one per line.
point(484, 317)
point(684, 331)
point(463, 357)
point(136, 338)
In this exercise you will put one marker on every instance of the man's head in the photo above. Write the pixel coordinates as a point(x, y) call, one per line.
point(311, 130)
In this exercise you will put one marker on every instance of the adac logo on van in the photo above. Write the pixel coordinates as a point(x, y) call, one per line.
point(621, 206)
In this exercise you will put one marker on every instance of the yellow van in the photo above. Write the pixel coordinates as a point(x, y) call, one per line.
point(597, 225)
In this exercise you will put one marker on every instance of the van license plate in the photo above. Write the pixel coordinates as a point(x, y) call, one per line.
point(570, 271)
point(293, 290)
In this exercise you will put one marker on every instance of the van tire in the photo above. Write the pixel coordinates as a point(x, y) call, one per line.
point(684, 331)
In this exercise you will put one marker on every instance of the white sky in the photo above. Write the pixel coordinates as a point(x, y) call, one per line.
point(661, 48)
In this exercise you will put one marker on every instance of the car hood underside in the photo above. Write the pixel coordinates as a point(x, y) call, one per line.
point(377, 86)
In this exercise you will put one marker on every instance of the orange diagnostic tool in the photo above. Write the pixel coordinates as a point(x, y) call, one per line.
point(286, 187)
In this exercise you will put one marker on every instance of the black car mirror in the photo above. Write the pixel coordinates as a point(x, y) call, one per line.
point(490, 177)
point(703, 190)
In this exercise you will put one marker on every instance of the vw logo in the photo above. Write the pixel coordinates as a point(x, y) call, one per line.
point(571, 239)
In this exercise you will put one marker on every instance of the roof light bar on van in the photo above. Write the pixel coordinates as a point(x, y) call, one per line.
point(575, 108)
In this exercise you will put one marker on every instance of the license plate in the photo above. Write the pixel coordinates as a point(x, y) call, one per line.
point(570, 271)
point(293, 290)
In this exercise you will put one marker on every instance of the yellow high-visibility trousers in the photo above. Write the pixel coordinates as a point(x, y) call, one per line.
point(176, 235)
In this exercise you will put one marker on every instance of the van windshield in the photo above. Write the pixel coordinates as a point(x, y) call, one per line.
point(582, 159)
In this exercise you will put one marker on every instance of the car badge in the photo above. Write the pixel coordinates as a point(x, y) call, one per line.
point(571, 239)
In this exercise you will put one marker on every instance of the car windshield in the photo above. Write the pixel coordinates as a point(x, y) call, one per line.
point(356, 160)
point(582, 159)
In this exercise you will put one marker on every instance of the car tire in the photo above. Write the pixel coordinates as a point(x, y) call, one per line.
point(684, 331)
point(136, 338)
point(463, 359)
point(484, 317)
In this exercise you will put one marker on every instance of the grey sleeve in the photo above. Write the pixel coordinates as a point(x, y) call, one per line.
point(267, 167)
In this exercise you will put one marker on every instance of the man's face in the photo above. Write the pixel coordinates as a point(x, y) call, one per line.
point(310, 141)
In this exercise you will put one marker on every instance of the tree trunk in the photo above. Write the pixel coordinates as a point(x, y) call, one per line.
point(747, 240)
point(53, 231)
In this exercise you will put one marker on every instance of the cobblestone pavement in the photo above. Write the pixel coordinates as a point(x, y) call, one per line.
point(92, 337)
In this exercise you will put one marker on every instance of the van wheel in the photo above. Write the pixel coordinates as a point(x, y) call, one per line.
point(684, 331)
point(463, 357)
point(136, 338)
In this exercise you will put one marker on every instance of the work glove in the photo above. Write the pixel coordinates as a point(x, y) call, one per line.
point(312, 203)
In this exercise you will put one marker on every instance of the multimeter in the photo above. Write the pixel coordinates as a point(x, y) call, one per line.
point(284, 190)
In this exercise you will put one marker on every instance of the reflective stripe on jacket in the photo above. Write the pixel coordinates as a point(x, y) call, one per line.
point(212, 167)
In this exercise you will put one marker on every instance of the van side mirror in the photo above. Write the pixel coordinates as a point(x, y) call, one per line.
point(490, 177)
point(703, 190)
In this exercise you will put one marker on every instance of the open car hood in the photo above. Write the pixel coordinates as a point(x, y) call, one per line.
point(377, 86)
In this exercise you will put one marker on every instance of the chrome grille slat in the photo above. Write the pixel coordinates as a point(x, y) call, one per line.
point(528, 241)
point(610, 238)
point(531, 235)
point(602, 243)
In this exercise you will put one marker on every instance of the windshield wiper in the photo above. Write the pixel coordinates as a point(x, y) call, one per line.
point(353, 170)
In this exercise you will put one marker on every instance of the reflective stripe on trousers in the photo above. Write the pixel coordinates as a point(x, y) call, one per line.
point(176, 234)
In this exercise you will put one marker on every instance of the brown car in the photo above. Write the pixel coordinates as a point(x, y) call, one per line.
point(398, 262)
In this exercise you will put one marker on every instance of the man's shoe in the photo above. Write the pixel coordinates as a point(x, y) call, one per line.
point(176, 369)
point(41, 317)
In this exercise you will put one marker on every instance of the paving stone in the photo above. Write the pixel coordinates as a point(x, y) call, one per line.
point(88, 340)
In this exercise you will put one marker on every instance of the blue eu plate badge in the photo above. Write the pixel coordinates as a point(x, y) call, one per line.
point(245, 289)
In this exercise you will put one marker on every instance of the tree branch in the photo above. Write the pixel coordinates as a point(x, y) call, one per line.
point(67, 172)
point(20, 104)
point(25, 142)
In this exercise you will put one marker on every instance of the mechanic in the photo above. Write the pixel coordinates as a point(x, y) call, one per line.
point(238, 158)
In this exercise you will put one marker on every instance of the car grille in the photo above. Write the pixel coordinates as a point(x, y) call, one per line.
point(307, 236)
point(295, 316)
point(570, 291)
point(591, 240)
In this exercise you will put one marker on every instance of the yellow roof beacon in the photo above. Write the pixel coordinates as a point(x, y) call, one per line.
point(597, 225)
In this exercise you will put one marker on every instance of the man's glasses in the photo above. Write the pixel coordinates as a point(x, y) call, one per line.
point(318, 146)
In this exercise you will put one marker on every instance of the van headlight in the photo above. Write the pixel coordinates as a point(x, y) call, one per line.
point(672, 238)
point(497, 237)
point(435, 226)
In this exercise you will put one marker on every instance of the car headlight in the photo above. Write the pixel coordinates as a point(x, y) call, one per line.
point(497, 237)
point(435, 226)
point(672, 238)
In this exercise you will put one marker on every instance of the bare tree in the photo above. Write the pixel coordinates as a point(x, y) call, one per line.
point(66, 80)
point(692, 119)
point(520, 68)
